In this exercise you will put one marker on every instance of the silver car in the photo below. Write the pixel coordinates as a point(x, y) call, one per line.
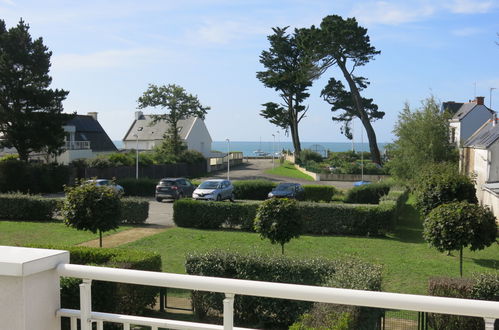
point(214, 190)
point(106, 182)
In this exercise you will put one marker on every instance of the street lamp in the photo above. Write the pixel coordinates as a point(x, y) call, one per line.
point(136, 135)
point(490, 97)
point(228, 158)
point(279, 143)
point(273, 151)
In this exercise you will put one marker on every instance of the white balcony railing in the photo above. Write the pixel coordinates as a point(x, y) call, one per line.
point(77, 145)
point(488, 310)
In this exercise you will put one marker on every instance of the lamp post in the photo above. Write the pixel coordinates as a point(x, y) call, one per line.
point(137, 152)
point(228, 158)
point(490, 97)
point(279, 149)
point(273, 151)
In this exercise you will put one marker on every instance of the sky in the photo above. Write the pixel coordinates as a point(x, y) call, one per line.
point(105, 53)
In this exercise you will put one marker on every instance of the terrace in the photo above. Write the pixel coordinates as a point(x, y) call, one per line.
point(26, 271)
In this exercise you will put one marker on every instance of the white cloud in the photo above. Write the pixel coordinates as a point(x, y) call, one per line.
point(470, 6)
point(466, 32)
point(8, 2)
point(104, 59)
point(384, 12)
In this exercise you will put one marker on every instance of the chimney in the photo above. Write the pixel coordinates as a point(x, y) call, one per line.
point(93, 115)
point(138, 115)
point(479, 100)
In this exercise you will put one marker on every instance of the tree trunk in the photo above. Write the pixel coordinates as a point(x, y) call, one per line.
point(100, 238)
point(293, 125)
point(175, 138)
point(461, 261)
point(282, 249)
point(371, 135)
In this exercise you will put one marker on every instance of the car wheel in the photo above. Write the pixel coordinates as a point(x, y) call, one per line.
point(219, 198)
point(159, 199)
point(232, 197)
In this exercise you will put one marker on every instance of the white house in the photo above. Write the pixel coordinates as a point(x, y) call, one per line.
point(467, 119)
point(480, 160)
point(144, 135)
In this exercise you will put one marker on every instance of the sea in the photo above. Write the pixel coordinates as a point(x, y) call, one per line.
point(248, 148)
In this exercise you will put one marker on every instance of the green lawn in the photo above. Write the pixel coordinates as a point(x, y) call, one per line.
point(408, 262)
point(20, 233)
point(288, 170)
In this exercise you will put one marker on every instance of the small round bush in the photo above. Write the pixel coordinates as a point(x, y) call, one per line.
point(93, 208)
point(279, 221)
point(456, 225)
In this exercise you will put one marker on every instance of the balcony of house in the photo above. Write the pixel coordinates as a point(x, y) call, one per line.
point(30, 299)
point(77, 145)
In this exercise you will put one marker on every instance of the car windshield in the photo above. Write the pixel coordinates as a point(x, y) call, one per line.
point(209, 185)
point(167, 183)
point(285, 187)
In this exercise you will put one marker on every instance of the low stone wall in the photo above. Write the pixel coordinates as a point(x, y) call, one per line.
point(315, 176)
point(351, 177)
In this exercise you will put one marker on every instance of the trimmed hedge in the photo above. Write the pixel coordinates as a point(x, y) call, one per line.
point(19, 176)
point(17, 206)
point(315, 193)
point(267, 312)
point(111, 297)
point(143, 187)
point(481, 287)
point(134, 210)
point(318, 218)
point(190, 213)
point(253, 189)
point(367, 193)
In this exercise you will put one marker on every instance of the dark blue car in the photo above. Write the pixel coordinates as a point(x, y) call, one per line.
point(287, 190)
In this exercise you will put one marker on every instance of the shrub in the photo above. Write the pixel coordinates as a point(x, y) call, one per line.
point(213, 215)
point(191, 157)
point(252, 189)
point(367, 193)
point(307, 155)
point(134, 210)
point(17, 206)
point(143, 187)
point(279, 221)
point(257, 311)
point(314, 193)
point(481, 286)
point(440, 184)
point(457, 225)
point(93, 208)
point(349, 274)
point(111, 297)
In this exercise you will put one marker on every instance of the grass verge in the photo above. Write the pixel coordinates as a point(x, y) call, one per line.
point(288, 170)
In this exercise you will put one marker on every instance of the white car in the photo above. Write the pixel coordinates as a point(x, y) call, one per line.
point(214, 190)
point(106, 182)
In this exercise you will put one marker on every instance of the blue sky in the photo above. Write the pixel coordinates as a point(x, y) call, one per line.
point(107, 52)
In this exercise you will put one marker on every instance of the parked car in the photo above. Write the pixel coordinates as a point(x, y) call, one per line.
point(106, 182)
point(215, 190)
point(173, 188)
point(287, 190)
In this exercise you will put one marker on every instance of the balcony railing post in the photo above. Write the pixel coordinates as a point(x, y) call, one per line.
point(229, 311)
point(86, 304)
point(489, 324)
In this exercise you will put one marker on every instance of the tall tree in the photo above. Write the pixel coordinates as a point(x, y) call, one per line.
point(290, 72)
point(179, 104)
point(31, 116)
point(343, 43)
point(422, 138)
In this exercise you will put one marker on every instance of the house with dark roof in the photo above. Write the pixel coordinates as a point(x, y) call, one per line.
point(144, 134)
point(467, 119)
point(479, 158)
point(85, 138)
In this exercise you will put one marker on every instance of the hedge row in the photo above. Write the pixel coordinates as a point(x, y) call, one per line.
point(111, 297)
point(315, 193)
point(19, 176)
point(367, 194)
point(17, 206)
point(319, 218)
point(271, 313)
point(480, 286)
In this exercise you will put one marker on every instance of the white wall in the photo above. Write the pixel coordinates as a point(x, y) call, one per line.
point(492, 201)
point(456, 126)
point(143, 145)
point(480, 170)
point(199, 138)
